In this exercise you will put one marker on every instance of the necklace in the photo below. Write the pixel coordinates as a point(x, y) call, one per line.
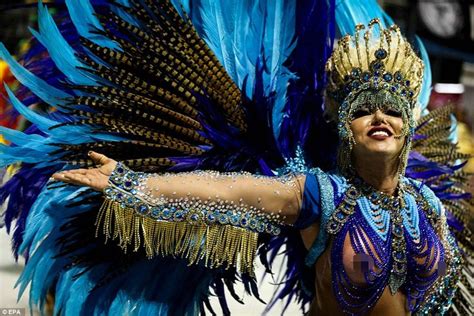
point(378, 230)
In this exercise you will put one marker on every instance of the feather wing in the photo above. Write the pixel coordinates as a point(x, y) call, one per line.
point(436, 162)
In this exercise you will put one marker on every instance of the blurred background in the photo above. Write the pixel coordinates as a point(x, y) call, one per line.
point(446, 28)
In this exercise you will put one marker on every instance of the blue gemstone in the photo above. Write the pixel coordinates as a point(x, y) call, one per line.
point(155, 213)
point(404, 92)
point(387, 77)
point(235, 219)
point(407, 83)
point(261, 228)
point(128, 184)
point(411, 94)
point(223, 219)
point(355, 84)
point(377, 65)
point(380, 53)
point(253, 223)
point(355, 72)
point(393, 88)
point(398, 76)
point(120, 170)
point(194, 217)
point(142, 209)
point(179, 215)
point(340, 215)
point(211, 218)
point(365, 76)
point(243, 222)
point(166, 213)
point(276, 230)
point(119, 197)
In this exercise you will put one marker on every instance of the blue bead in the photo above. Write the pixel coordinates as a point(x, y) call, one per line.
point(366, 76)
point(223, 219)
point(155, 213)
point(380, 53)
point(355, 72)
point(166, 213)
point(253, 223)
point(235, 219)
point(142, 208)
point(387, 77)
point(398, 76)
point(211, 218)
point(276, 230)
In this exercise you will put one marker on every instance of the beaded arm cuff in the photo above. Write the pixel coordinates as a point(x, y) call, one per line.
point(211, 231)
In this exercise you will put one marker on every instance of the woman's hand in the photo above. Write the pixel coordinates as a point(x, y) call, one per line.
point(96, 178)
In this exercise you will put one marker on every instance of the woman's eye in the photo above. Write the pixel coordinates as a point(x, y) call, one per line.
point(360, 113)
point(393, 112)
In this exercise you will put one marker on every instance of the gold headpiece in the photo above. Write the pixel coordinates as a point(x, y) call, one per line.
point(376, 70)
point(378, 60)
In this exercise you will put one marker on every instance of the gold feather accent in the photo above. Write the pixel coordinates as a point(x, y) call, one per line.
point(214, 245)
point(181, 48)
point(136, 107)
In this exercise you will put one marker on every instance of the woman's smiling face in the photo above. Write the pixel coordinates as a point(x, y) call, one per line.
point(378, 132)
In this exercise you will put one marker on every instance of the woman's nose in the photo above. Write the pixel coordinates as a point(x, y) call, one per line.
point(378, 118)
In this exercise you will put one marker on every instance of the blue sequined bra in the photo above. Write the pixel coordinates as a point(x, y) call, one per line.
point(401, 242)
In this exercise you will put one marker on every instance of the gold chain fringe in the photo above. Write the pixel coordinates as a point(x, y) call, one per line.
point(212, 245)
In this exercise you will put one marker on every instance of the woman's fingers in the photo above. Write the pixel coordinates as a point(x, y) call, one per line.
point(98, 158)
point(85, 177)
point(73, 178)
point(77, 171)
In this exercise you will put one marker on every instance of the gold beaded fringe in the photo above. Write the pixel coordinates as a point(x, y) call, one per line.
point(212, 245)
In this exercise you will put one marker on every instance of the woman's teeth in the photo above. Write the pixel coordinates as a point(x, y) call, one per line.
point(380, 133)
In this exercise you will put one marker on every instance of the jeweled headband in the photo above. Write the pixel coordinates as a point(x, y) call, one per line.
point(377, 67)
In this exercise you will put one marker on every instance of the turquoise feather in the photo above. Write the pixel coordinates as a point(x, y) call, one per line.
point(41, 88)
point(83, 16)
point(58, 48)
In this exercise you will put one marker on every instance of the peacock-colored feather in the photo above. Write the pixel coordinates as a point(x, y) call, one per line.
point(435, 161)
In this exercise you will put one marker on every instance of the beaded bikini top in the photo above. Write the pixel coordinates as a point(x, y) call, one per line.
point(401, 242)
